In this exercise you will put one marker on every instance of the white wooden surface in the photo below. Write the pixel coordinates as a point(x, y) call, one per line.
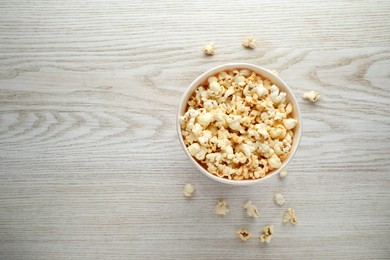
point(90, 164)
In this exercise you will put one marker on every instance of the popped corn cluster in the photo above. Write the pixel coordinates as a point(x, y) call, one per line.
point(238, 125)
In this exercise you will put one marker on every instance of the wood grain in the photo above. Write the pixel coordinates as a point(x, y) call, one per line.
point(90, 164)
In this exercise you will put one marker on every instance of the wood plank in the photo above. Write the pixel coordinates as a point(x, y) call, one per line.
point(90, 164)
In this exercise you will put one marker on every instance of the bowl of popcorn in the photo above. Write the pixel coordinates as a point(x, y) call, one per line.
point(239, 123)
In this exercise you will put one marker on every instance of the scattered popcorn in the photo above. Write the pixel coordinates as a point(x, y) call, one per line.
point(221, 208)
point(243, 234)
point(209, 48)
point(283, 173)
point(313, 96)
point(275, 72)
point(238, 125)
point(249, 42)
point(251, 210)
point(188, 190)
point(267, 234)
point(279, 199)
point(289, 216)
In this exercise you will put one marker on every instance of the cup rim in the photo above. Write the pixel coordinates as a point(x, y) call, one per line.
point(258, 70)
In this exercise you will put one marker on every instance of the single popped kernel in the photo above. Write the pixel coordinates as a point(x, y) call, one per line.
point(283, 173)
point(290, 123)
point(221, 208)
point(313, 96)
point(251, 210)
point(188, 190)
point(243, 234)
point(249, 42)
point(267, 234)
point(209, 48)
point(289, 216)
point(274, 162)
point(279, 199)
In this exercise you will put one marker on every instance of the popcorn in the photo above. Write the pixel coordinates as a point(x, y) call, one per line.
point(234, 122)
point(251, 210)
point(248, 149)
point(205, 119)
point(221, 208)
point(199, 152)
point(193, 113)
point(239, 158)
point(261, 90)
point(290, 123)
point(283, 173)
point(215, 89)
point(194, 149)
point(259, 173)
point(267, 234)
point(197, 129)
point(240, 80)
point(289, 216)
point(188, 190)
point(212, 79)
point(275, 96)
point(262, 130)
point(278, 132)
point(313, 96)
point(243, 234)
point(249, 42)
point(274, 162)
point(279, 199)
point(209, 48)
point(238, 125)
point(288, 108)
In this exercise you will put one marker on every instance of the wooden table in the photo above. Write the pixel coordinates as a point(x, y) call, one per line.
point(90, 163)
